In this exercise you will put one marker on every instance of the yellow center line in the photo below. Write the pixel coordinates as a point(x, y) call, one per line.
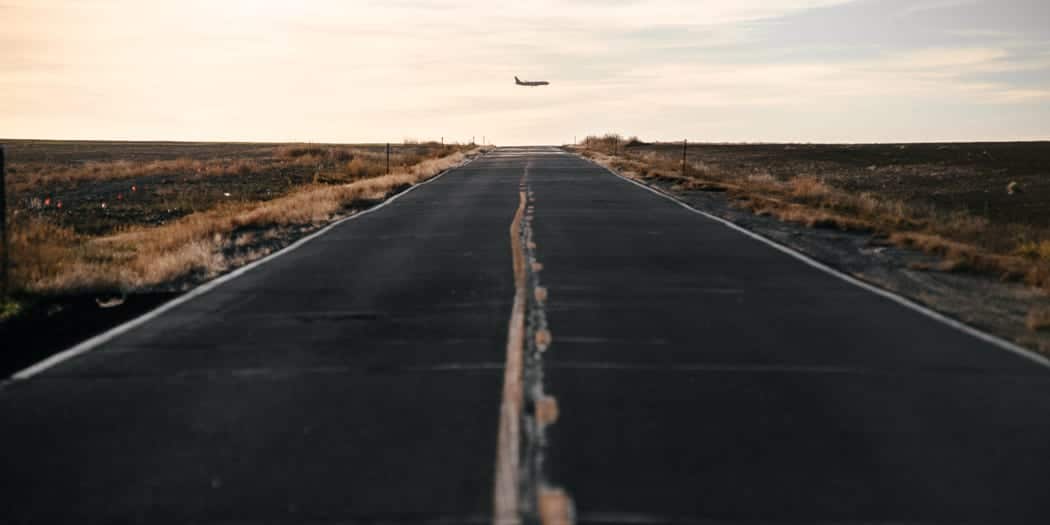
point(506, 504)
point(555, 507)
point(523, 491)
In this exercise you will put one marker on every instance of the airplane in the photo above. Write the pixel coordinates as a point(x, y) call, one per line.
point(531, 84)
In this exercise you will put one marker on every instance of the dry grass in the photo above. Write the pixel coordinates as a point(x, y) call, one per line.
point(313, 154)
point(609, 143)
point(349, 161)
point(301, 150)
point(49, 259)
point(957, 256)
point(1038, 319)
point(9, 308)
point(966, 242)
point(361, 167)
point(1035, 250)
point(24, 179)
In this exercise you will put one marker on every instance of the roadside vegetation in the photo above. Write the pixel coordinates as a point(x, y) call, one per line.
point(980, 208)
point(142, 222)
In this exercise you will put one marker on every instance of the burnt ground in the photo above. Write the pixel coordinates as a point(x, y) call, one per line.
point(970, 177)
point(72, 153)
point(98, 207)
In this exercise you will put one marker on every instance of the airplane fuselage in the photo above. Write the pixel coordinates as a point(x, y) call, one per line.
point(531, 84)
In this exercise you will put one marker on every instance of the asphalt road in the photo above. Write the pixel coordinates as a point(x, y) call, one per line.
point(699, 375)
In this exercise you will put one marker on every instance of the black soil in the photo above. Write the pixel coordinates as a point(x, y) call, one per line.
point(971, 177)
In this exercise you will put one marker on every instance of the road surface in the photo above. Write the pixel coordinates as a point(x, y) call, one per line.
point(675, 371)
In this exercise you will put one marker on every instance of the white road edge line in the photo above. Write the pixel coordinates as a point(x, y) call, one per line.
point(994, 340)
point(108, 335)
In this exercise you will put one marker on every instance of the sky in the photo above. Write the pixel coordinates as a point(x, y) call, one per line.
point(355, 71)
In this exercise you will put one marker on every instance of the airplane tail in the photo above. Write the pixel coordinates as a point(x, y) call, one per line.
point(516, 80)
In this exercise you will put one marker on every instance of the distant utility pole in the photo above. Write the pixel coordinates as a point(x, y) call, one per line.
point(471, 140)
point(3, 225)
point(685, 150)
point(388, 158)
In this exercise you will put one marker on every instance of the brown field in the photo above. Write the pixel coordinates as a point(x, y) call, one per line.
point(119, 217)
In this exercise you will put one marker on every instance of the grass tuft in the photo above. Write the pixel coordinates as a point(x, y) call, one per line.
point(1039, 251)
point(9, 308)
point(1038, 319)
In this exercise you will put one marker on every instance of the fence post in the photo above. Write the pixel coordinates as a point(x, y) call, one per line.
point(388, 158)
point(685, 149)
point(3, 225)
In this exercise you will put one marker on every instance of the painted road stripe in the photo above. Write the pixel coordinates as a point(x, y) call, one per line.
point(506, 505)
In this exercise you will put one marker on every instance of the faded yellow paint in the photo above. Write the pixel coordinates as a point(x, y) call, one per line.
point(543, 339)
point(546, 410)
point(555, 507)
point(540, 294)
point(506, 505)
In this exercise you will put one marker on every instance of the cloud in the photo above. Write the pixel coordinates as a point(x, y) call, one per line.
point(934, 5)
point(337, 70)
